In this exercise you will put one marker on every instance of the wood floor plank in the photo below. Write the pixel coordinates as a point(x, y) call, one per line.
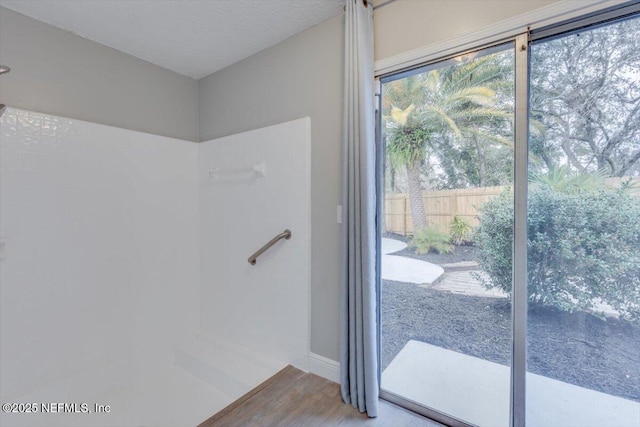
point(295, 398)
point(285, 376)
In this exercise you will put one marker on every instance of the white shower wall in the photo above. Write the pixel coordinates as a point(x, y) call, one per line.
point(123, 268)
point(263, 307)
point(99, 234)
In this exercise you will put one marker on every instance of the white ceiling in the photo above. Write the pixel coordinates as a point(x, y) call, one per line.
point(191, 37)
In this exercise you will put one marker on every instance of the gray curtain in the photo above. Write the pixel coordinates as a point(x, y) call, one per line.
point(358, 340)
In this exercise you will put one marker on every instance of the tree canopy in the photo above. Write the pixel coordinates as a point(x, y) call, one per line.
point(585, 89)
point(430, 114)
point(453, 124)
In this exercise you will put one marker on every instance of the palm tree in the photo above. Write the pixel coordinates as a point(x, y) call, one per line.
point(424, 111)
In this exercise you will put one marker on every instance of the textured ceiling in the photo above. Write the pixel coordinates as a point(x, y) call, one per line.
point(192, 37)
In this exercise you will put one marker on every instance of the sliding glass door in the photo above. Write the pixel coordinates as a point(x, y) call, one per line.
point(583, 281)
point(448, 133)
point(510, 231)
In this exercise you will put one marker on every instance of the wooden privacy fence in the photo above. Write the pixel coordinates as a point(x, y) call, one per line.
point(442, 205)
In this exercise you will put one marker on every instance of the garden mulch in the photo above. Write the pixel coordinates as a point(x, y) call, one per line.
point(577, 348)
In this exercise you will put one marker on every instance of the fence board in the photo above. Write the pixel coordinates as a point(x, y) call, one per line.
point(442, 205)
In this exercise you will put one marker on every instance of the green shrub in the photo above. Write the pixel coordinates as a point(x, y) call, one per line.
point(431, 238)
point(459, 229)
point(583, 246)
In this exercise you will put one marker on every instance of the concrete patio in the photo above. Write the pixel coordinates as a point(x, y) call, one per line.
point(477, 391)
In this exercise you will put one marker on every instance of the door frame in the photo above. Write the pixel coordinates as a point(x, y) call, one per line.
point(521, 69)
point(522, 43)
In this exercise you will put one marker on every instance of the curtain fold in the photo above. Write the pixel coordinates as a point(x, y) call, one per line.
point(358, 340)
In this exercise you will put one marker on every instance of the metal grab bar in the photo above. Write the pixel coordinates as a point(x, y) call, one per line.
point(286, 234)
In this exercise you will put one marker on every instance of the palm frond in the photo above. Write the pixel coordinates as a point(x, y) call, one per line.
point(401, 116)
point(490, 137)
point(480, 95)
point(442, 114)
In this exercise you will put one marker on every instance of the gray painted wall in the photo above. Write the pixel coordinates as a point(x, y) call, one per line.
point(299, 77)
point(60, 73)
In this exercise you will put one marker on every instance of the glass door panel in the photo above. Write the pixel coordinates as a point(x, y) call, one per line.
point(584, 229)
point(447, 134)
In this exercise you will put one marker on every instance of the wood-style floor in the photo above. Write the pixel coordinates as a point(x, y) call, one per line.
point(295, 398)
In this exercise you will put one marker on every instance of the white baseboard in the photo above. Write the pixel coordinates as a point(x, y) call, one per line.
point(324, 367)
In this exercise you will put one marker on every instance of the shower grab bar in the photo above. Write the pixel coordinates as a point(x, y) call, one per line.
point(286, 234)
